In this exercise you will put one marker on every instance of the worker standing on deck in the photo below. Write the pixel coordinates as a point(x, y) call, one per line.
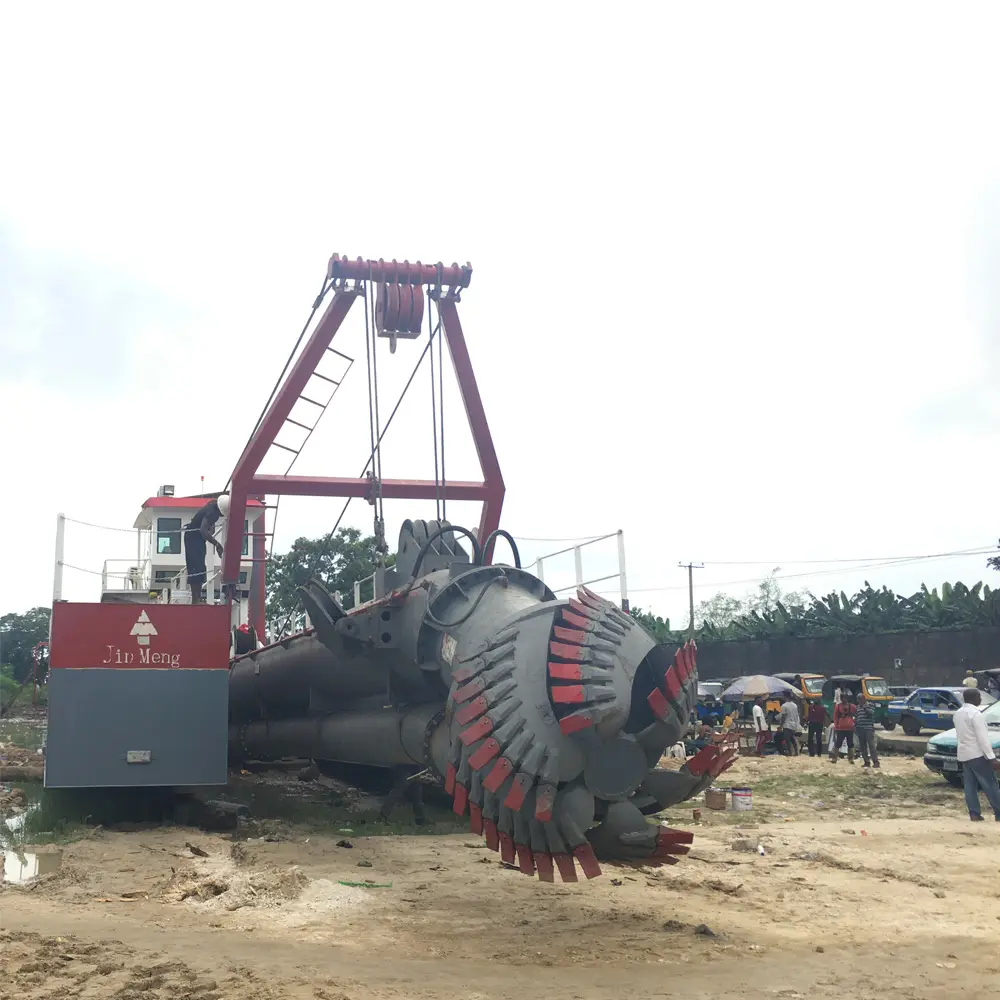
point(975, 751)
point(198, 532)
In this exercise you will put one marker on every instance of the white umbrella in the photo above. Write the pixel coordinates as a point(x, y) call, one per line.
point(756, 686)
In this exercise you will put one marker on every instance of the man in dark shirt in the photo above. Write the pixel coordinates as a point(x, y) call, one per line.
point(817, 720)
point(864, 729)
point(198, 532)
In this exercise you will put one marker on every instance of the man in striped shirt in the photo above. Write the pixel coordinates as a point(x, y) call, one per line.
point(864, 729)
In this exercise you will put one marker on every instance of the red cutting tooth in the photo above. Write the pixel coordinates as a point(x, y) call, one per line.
point(471, 711)
point(570, 694)
point(580, 608)
point(518, 790)
point(565, 671)
point(674, 836)
point(567, 870)
point(484, 754)
point(571, 619)
point(461, 799)
point(672, 682)
point(525, 859)
point(544, 799)
point(491, 835)
point(468, 691)
point(574, 653)
point(679, 662)
point(506, 848)
point(449, 779)
point(475, 818)
point(725, 760)
point(701, 761)
point(664, 848)
point(477, 731)
point(461, 675)
point(568, 634)
point(543, 862)
point(498, 775)
point(574, 723)
point(658, 703)
point(688, 660)
point(590, 598)
point(588, 860)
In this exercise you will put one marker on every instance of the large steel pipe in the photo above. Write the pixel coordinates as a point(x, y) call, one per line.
point(381, 738)
point(296, 676)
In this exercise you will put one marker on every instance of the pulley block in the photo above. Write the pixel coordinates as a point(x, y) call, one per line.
point(399, 304)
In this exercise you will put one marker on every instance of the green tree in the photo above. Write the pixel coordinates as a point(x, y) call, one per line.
point(18, 636)
point(336, 563)
point(718, 610)
point(658, 628)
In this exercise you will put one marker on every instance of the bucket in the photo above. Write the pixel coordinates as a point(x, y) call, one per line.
point(715, 798)
point(742, 800)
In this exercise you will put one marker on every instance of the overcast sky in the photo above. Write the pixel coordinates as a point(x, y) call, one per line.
point(735, 270)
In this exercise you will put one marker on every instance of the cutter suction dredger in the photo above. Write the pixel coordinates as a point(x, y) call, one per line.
point(544, 719)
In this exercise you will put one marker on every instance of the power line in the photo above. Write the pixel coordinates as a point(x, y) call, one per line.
point(902, 561)
point(813, 562)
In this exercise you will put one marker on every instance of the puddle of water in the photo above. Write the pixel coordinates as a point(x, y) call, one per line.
point(21, 867)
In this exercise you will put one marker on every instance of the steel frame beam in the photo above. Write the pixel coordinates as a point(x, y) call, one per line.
point(246, 481)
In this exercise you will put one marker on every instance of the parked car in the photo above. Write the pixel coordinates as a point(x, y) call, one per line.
point(941, 755)
point(929, 708)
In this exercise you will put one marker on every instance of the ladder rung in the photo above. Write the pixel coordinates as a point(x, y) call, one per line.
point(340, 355)
point(325, 378)
point(305, 427)
point(306, 399)
point(278, 444)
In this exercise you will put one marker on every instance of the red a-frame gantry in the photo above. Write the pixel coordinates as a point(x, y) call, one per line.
point(347, 278)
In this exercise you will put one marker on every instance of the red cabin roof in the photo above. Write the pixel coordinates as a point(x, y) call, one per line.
point(187, 502)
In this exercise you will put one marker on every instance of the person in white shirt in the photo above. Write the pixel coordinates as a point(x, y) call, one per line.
point(970, 681)
point(975, 751)
point(760, 726)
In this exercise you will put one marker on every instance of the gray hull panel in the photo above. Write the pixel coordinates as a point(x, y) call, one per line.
point(172, 723)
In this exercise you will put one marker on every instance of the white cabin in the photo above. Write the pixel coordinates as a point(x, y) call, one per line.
point(158, 573)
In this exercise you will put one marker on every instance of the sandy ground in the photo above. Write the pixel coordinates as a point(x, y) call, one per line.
point(909, 907)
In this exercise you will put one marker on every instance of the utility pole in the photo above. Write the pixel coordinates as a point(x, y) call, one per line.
point(691, 567)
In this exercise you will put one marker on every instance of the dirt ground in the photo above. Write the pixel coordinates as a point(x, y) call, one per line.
point(870, 883)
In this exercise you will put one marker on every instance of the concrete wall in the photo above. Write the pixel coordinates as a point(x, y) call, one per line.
point(929, 658)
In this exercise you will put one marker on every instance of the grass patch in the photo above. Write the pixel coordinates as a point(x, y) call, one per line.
point(859, 784)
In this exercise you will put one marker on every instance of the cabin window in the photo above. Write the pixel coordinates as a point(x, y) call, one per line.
point(164, 576)
point(246, 538)
point(168, 536)
point(243, 578)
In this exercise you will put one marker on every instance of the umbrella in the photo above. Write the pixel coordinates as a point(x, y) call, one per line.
point(756, 686)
